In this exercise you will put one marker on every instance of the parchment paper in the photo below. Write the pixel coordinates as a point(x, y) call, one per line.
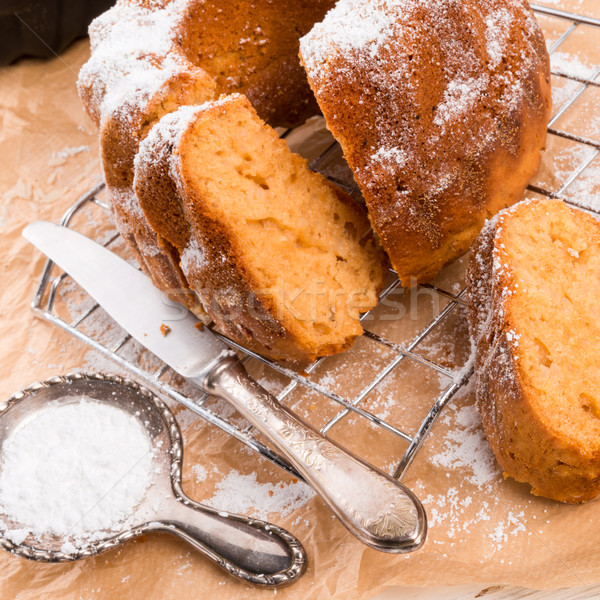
point(482, 528)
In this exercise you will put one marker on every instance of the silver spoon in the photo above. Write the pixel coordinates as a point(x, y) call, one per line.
point(253, 550)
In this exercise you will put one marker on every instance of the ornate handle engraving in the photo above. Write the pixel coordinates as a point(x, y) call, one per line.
point(376, 508)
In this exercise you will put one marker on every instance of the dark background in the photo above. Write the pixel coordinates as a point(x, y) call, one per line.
point(42, 28)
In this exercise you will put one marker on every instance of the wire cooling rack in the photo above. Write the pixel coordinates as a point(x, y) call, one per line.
point(341, 406)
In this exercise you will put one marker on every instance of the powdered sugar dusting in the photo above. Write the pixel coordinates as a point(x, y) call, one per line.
point(58, 158)
point(460, 97)
point(126, 199)
point(585, 190)
point(390, 159)
point(466, 448)
point(498, 25)
point(512, 525)
point(192, 258)
point(244, 494)
point(163, 137)
point(472, 504)
point(355, 25)
point(563, 92)
point(133, 55)
point(429, 72)
point(571, 64)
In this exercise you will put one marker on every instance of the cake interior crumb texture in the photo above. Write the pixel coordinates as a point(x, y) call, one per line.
point(300, 241)
point(554, 258)
point(534, 293)
point(303, 249)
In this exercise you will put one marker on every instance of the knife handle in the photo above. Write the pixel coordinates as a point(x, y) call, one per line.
point(377, 509)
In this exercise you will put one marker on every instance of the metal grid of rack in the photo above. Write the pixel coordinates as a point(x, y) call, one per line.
point(44, 305)
point(575, 23)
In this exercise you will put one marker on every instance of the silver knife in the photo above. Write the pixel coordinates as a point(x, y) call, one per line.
point(379, 510)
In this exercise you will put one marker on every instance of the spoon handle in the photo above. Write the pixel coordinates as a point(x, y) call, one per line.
point(258, 552)
point(376, 508)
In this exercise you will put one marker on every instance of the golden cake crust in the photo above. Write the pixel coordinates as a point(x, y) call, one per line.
point(441, 110)
point(150, 57)
point(241, 47)
point(120, 135)
point(534, 391)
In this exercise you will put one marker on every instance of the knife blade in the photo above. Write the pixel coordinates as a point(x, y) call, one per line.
point(377, 509)
point(131, 299)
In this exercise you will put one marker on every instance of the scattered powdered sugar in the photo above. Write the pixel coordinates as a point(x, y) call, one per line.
point(473, 504)
point(158, 145)
point(563, 93)
point(567, 160)
point(498, 25)
point(174, 125)
point(512, 525)
point(460, 97)
point(70, 151)
point(390, 156)
point(199, 472)
point(571, 64)
point(467, 448)
point(133, 55)
point(355, 25)
point(240, 493)
point(58, 158)
point(73, 470)
point(585, 190)
point(458, 516)
point(512, 336)
point(392, 50)
point(126, 199)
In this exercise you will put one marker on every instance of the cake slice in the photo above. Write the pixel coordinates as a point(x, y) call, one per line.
point(283, 261)
point(534, 300)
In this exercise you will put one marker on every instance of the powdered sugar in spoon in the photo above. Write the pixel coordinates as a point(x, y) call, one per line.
point(253, 550)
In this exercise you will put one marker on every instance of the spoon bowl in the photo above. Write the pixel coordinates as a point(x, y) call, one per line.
point(253, 550)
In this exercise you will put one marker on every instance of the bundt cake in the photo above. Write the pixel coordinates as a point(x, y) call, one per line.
point(229, 46)
point(151, 56)
point(441, 110)
point(534, 299)
point(282, 260)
